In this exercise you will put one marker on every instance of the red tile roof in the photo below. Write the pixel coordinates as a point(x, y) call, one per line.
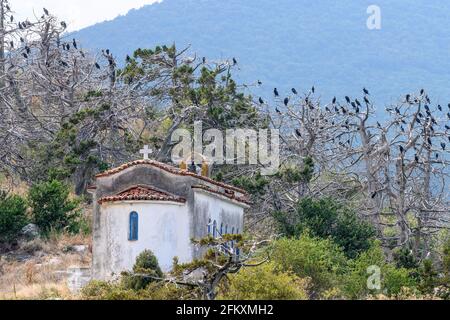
point(229, 195)
point(142, 193)
point(169, 169)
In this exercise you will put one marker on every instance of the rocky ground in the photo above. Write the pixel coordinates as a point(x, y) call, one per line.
point(40, 269)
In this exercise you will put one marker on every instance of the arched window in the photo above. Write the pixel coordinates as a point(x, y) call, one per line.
point(226, 229)
point(134, 226)
point(215, 229)
point(237, 231)
point(209, 227)
point(232, 241)
point(221, 229)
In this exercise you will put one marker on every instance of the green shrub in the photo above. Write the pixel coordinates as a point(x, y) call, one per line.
point(264, 283)
point(445, 281)
point(146, 263)
point(428, 277)
point(392, 279)
point(352, 233)
point(317, 216)
point(13, 216)
point(255, 185)
point(325, 218)
point(81, 224)
point(318, 259)
point(101, 290)
point(404, 258)
point(446, 263)
point(396, 279)
point(52, 209)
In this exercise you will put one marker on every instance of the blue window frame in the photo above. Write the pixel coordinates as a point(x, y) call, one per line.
point(134, 226)
point(232, 230)
point(209, 227)
point(221, 229)
point(226, 229)
point(215, 229)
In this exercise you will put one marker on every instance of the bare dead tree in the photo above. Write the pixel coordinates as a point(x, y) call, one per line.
point(226, 255)
point(394, 172)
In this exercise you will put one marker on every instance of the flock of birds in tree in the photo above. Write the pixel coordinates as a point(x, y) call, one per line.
point(26, 51)
point(420, 118)
point(424, 118)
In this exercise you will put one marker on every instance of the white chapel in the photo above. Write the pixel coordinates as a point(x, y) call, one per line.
point(146, 204)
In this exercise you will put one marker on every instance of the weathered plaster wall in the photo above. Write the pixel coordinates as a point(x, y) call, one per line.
point(163, 228)
point(209, 206)
point(194, 216)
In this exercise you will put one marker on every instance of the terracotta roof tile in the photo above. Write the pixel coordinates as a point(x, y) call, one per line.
point(142, 193)
point(169, 169)
point(226, 194)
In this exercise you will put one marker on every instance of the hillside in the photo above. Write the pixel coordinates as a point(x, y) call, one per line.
point(322, 43)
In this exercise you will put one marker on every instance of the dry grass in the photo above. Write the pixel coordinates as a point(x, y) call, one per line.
point(37, 269)
point(405, 294)
point(13, 185)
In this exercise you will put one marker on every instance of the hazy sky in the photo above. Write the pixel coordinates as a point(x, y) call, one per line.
point(77, 13)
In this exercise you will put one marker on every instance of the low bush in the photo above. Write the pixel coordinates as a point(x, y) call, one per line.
point(318, 259)
point(264, 283)
point(325, 218)
point(101, 290)
point(13, 216)
point(392, 280)
point(146, 264)
point(52, 208)
point(428, 277)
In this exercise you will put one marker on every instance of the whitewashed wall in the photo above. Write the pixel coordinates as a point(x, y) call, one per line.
point(218, 209)
point(163, 228)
